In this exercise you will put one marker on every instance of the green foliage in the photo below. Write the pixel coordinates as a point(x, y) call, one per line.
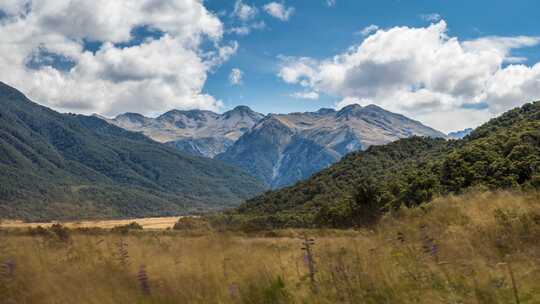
point(503, 153)
point(61, 166)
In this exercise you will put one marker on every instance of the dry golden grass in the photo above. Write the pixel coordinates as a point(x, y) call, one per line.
point(455, 250)
point(147, 223)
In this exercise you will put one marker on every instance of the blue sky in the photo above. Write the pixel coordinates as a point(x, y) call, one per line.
point(319, 31)
point(450, 64)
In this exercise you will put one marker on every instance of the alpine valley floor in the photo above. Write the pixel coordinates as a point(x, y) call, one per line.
point(474, 248)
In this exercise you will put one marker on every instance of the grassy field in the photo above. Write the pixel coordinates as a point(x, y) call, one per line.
point(482, 248)
point(146, 223)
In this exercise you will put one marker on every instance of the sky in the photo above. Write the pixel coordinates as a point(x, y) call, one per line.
point(449, 64)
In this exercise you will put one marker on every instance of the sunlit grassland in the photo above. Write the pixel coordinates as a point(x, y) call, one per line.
point(147, 223)
point(476, 248)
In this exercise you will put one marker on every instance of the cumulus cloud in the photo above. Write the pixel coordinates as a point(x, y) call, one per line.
point(279, 10)
point(43, 51)
point(243, 11)
point(370, 29)
point(424, 73)
point(306, 95)
point(245, 16)
point(235, 77)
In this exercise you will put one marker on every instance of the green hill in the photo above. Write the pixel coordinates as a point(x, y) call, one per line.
point(503, 153)
point(70, 166)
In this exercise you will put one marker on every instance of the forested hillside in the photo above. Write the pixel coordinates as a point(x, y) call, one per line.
point(71, 166)
point(503, 153)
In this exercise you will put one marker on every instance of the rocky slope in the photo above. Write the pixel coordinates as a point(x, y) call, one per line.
point(284, 148)
point(202, 133)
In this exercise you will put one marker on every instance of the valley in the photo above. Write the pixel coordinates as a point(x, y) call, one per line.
point(269, 152)
point(474, 248)
point(65, 166)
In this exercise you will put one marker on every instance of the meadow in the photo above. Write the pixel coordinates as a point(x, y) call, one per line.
point(473, 248)
point(146, 223)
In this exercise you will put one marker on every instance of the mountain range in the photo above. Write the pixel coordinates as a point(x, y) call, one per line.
point(460, 134)
point(278, 149)
point(73, 166)
point(504, 153)
point(198, 132)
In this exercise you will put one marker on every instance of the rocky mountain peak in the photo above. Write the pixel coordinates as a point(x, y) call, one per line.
point(198, 132)
point(280, 148)
point(284, 148)
point(186, 114)
point(131, 116)
point(242, 111)
point(350, 110)
point(130, 119)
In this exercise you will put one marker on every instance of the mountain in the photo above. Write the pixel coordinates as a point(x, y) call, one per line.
point(284, 148)
point(460, 134)
point(503, 153)
point(202, 133)
point(71, 166)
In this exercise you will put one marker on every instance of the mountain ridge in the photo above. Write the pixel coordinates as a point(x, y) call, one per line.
point(319, 138)
point(298, 144)
point(198, 132)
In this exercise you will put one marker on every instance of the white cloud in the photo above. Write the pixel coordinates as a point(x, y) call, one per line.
point(246, 15)
point(246, 28)
point(368, 30)
point(279, 10)
point(306, 95)
point(433, 17)
point(240, 30)
point(235, 77)
point(330, 3)
point(502, 45)
point(163, 72)
point(243, 11)
point(426, 74)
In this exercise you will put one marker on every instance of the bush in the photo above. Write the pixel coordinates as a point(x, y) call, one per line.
point(124, 229)
point(61, 232)
point(56, 232)
point(191, 223)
